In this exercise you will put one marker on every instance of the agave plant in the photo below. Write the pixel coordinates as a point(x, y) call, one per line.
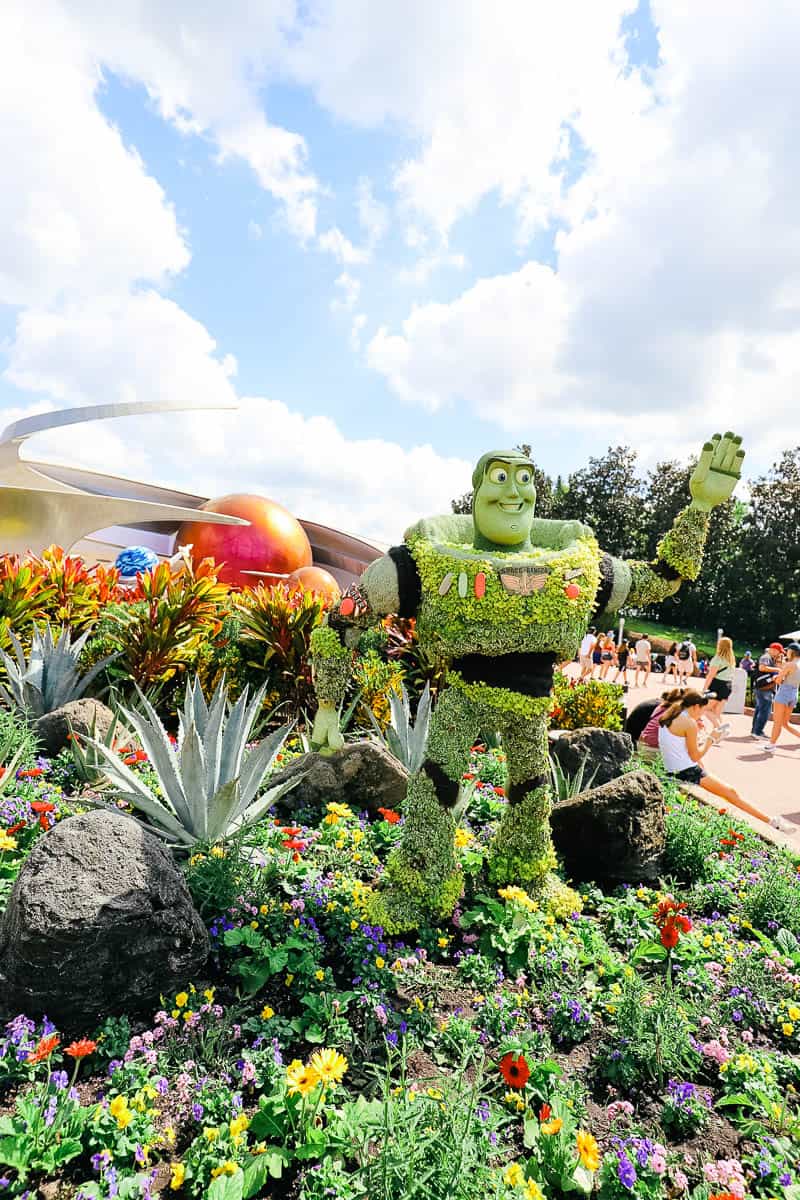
point(566, 786)
point(405, 739)
point(209, 780)
point(51, 676)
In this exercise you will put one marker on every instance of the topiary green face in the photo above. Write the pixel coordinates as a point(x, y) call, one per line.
point(504, 500)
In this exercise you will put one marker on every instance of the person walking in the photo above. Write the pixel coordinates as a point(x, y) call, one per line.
point(585, 652)
point(747, 663)
point(685, 661)
point(608, 653)
point(764, 688)
point(719, 682)
point(644, 660)
point(683, 754)
point(623, 654)
point(788, 685)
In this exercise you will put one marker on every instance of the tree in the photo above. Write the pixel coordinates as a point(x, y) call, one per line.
point(608, 496)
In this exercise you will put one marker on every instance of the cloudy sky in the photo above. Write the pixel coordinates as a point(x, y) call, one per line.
point(398, 235)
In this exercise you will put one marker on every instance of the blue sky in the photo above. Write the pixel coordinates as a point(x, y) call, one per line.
point(545, 194)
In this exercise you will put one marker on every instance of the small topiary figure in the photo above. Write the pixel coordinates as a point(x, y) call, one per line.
point(503, 596)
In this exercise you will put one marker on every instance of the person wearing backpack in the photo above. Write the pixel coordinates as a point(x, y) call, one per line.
point(685, 661)
point(764, 682)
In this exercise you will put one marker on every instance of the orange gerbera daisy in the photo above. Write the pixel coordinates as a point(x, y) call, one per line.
point(45, 1048)
point(515, 1070)
point(81, 1048)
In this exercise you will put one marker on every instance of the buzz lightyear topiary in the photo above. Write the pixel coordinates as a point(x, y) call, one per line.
point(503, 596)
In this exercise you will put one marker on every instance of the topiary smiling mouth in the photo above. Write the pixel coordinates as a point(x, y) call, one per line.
point(511, 506)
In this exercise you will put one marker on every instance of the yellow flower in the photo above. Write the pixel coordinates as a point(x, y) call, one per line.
point(319, 975)
point(513, 1175)
point(6, 841)
point(434, 1093)
point(181, 999)
point(443, 943)
point(588, 1150)
point(551, 1127)
point(254, 924)
point(209, 995)
point(264, 910)
point(354, 924)
point(267, 1013)
point(288, 980)
point(187, 1014)
point(788, 1028)
point(300, 1079)
point(118, 1105)
point(217, 852)
point(794, 1013)
point(124, 1119)
point(533, 1191)
point(380, 963)
point(170, 1135)
point(463, 838)
point(517, 895)
point(226, 1168)
point(329, 1065)
point(238, 1125)
point(178, 1176)
point(211, 1134)
point(514, 1100)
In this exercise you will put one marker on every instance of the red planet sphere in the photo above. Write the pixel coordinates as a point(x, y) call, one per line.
point(274, 541)
point(316, 579)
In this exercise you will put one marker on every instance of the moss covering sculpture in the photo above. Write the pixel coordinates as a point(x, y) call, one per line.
point(503, 596)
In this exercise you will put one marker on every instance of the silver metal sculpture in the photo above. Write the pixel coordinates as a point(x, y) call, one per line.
point(38, 509)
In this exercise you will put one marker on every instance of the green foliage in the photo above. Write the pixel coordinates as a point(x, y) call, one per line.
point(216, 879)
point(774, 900)
point(682, 545)
point(565, 786)
point(24, 596)
point(207, 785)
point(406, 737)
point(159, 632)
point(332, 664)
point(50, 676)
point(16, 738)
point(650, 1043)
point(692, 843)
point(593, 702)
point(276, 629)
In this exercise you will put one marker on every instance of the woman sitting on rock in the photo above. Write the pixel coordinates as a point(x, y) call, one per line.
point(682, 753)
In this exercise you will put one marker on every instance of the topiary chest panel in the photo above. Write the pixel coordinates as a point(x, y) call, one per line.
point(480, 602)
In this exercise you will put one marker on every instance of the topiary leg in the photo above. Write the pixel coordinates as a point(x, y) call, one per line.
point(423, 880)
point(522, 852)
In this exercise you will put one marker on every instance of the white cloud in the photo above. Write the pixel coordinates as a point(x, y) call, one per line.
point(334, 242)
point(254, 231)
point(119, 348)
point(487, 99)
point(204, 66)
point(78, 210)
point(425, 266)
point(373, 215)
point(349, 291)
point(673, 305)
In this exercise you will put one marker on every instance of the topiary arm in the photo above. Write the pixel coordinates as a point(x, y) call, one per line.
point(390, 584)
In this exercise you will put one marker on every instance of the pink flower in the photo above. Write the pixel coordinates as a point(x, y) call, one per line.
point(658, 1164)
point(680, 1181)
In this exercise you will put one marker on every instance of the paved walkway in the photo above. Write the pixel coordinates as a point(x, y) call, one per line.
point(769, 782)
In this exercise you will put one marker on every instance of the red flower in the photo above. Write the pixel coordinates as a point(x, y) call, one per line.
point(545, 1112)
point(291, 830)
point(42, 808)
point(500, 791)
point(294, 844)
point(12, 829)
point(515, 1070)
point(45, 1048)
point(30, 773)
point(723, 1196)
point(684, 923)
point(81, 1048)
point(389, 815)
point(670, 936)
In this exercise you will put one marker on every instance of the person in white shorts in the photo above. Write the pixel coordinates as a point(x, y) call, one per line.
point(644, 660)
point(585, 652)
point(686, 661)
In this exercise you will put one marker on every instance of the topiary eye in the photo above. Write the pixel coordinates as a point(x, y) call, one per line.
point(523, 476)
point(498, 475)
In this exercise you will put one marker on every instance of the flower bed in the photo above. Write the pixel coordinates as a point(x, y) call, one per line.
point(644, 1046)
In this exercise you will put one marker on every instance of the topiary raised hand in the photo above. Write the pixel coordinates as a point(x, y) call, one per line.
point(717, 472)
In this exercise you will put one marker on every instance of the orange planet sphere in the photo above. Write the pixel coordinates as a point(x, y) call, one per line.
point(274, 541)
point(316, 579)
